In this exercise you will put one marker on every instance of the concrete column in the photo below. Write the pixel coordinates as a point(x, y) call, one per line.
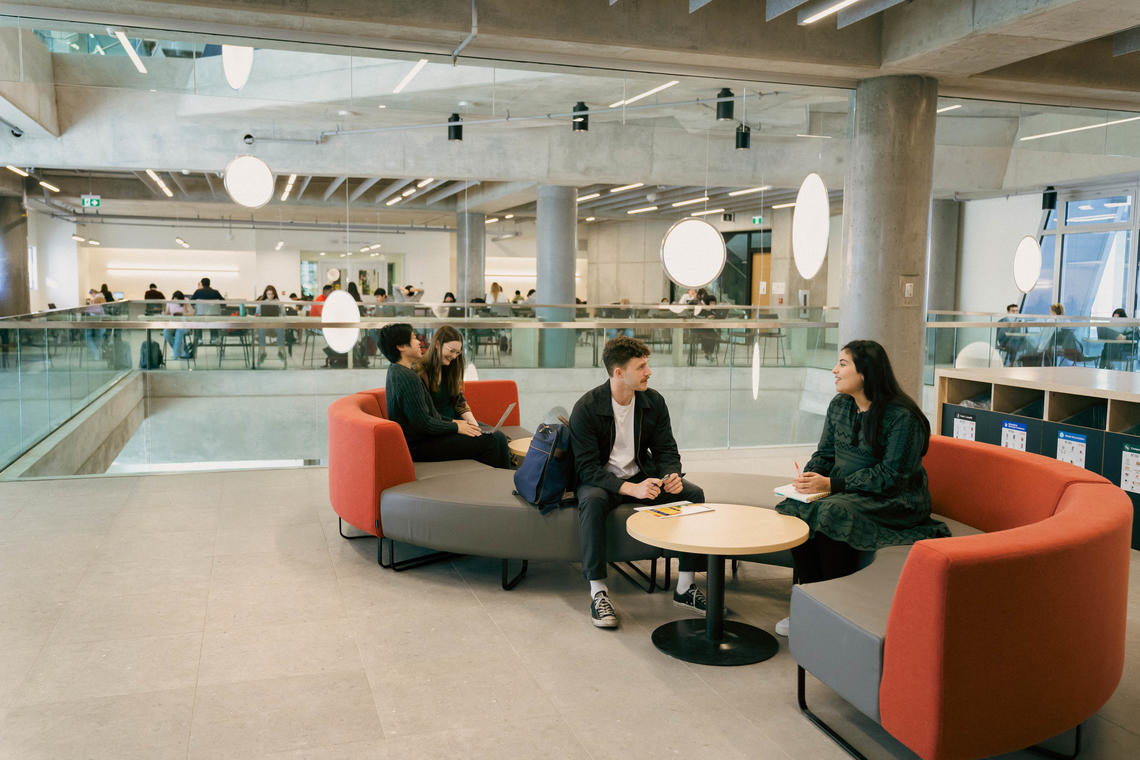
point(557, 226)
point(470, 255)
point(886, 219)
point(14, 295)
point(942, 275)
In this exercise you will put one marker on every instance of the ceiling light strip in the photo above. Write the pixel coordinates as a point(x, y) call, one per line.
point(1080, 129)
point(21, 172)
point(158, 181)
point(831, 9)
point(690, 202)
point(134, 56)
point(944, 109)
point(410, 75)
point(783, 205)
point(623, 188)
point(288, 186)
point(750, 190)
point(645, 94)
point(49, 186)
point(706, 213)
point(641, 210)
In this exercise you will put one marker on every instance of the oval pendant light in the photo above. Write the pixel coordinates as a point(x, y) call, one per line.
point(237, 62)
point(1027, 263)
point(249, 181)
point(340, 307)
point(811, 226)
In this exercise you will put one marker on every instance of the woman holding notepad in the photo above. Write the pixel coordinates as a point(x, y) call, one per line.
point(866, 474)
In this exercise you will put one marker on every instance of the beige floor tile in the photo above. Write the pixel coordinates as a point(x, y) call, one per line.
point(65, 551)
point(243, 720)
point(287, 538)
point(165, 519)
point(257, 653)
point(136, 546)
point(471, 689)
point(268, 568)
point(40, 584)
point(369, 750)
point(276, 604)
point(43, 522)
point(172, 574)
point(548, 737)
point(147, 726)
point(28, 621)
point(15, 664)
point(110, 668)
point(252, 517)
point(133, 616)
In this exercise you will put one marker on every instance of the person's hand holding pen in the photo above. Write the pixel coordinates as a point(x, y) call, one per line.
point(810, 482)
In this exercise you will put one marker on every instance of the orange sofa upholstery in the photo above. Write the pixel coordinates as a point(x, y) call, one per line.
point(368, 453)
point(1006, 634)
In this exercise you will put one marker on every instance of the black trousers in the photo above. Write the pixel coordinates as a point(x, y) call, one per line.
point(489, 448)
point(821, 558)
point(595, 505)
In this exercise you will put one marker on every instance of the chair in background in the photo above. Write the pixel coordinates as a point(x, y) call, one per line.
point(768, 335)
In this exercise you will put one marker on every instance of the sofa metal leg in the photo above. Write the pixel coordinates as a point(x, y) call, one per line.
point(1038, 749)
point(650, 580)
point(801, 697)
point(340, 527)
point(407, 564)
point(509, 582)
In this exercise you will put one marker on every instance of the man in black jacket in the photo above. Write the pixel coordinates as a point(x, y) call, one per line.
point(624, 451)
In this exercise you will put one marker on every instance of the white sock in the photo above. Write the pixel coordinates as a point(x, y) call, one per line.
point(596, 586)
point(685, 579)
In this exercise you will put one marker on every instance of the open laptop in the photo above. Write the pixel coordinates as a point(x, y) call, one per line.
point(498, 425)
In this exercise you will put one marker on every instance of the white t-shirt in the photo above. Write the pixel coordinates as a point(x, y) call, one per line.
point(623, 457)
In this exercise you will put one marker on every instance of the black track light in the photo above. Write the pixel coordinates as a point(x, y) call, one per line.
point(1049, 199)
point(725, 108)
point(454, 127)
point(580, 123)
point(743, 137)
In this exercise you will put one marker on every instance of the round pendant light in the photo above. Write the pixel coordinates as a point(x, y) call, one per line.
point(340, 307)
point(692, 253)
point(249, 181)
point(1027, 263)
point(811, 226)
point(237, 62)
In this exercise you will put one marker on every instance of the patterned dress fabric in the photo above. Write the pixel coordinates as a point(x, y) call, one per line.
point(882, 500)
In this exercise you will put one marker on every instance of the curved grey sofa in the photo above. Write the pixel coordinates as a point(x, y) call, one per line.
point(469, 508)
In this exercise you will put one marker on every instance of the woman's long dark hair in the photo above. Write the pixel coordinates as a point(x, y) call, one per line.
point(353, 291)
point(431, 366)
point(881, 388)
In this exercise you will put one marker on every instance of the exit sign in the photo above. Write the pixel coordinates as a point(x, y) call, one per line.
point(90, 201)
point(757, 220)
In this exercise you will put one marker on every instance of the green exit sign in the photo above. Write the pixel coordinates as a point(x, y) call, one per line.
point(90, 201)
point(757, 220)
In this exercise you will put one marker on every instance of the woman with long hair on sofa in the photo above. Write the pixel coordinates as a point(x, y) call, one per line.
point(869, 463)
point(431, 436)
point(441, 369)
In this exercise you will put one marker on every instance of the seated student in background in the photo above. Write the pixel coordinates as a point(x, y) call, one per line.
point(869, 460)
point(624, 451)
point(431, 437)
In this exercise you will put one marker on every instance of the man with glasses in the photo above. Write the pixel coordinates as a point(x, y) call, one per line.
point(430, 436)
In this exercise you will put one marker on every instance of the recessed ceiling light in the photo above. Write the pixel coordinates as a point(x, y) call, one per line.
point(393, 201)
point(641, 210)
point(21, 172)
point(591, 218)
point(954, 107)
point(750, 190)
point(343, 112)
point(161, 185)
point(492, 220)
point(79, 238)
point(381, 106)
point(706, 213)
point(131, 52)
point(49, 186)
point(425, 182)
point(623, 188)
point(322, 253)
point(833, 8)
point(288, 186)
point(691, 201)
point(93, 242)
point(816, 137)
point(645, 94)
point(509, 216)
point(279, 245)
point(410, 75)
point(589, 197)
point(783, 205)
point(408, 192)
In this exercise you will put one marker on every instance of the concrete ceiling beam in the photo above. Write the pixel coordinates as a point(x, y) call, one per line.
point(362, 188)
point(304, 186)
point(27, 84)
point(337, 182)
point(394, 187)
point(961, 37)
point(447, 192)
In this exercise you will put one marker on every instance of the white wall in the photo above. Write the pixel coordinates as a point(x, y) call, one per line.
point(625, 262)
point(990, 232)
point(57, 262)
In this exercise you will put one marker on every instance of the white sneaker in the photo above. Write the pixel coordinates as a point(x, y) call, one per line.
point(782, 626)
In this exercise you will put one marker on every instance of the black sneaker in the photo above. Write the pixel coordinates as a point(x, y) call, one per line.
point(602, 611)
point(692, 600)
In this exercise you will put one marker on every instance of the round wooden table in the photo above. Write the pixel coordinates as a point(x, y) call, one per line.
point(729, 530)
point(518, 448)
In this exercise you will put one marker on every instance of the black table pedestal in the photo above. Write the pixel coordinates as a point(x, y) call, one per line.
point(713, 641)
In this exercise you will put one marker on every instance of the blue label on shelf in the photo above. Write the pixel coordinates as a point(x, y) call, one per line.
point(1074, 437)
point(1019, 426)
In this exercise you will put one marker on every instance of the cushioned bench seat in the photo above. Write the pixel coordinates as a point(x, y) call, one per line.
point(839, 625)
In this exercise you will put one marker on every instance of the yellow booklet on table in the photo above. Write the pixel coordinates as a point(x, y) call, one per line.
point(789, 492)
point(674, 509)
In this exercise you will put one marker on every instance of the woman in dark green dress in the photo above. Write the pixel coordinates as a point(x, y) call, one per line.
point(869, 461)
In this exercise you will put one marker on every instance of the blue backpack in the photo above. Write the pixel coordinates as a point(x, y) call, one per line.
point(547, 472)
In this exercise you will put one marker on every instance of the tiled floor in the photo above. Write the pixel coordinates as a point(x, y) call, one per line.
point(221, 615)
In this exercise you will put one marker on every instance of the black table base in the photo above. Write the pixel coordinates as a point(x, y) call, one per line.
point(740, 643)
point(713, 641)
